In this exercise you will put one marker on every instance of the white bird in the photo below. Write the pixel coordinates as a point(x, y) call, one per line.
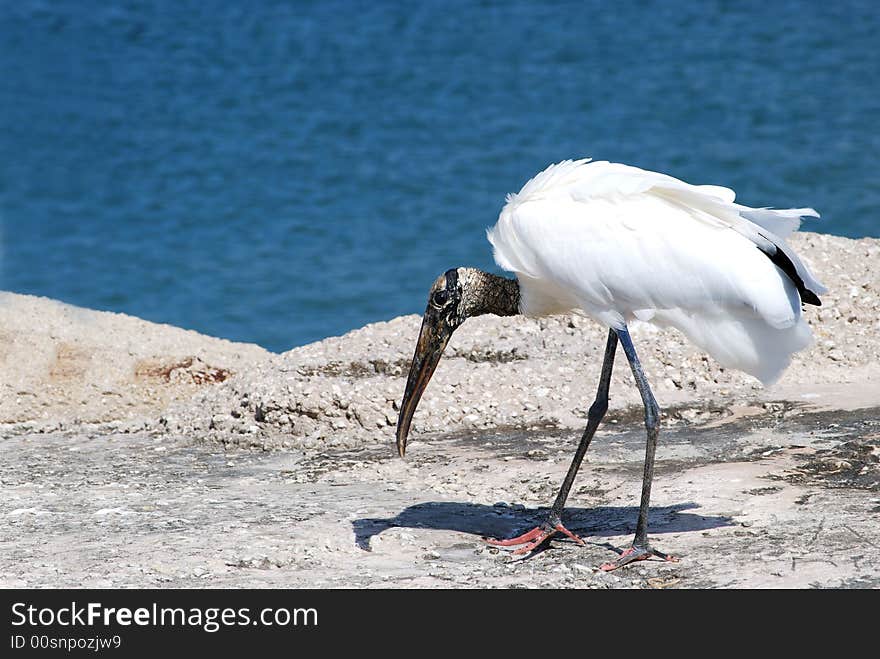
point(618, 243)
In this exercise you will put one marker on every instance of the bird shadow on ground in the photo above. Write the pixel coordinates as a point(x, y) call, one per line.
point(508, 521)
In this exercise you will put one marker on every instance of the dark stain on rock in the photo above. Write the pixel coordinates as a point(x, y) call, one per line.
point(190, 370)
point(366, 369)
point(400, 367)
point(483, 356)
point(759, 491)
point(854, 464)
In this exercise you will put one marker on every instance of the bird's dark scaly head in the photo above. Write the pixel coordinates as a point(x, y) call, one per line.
point(443, 315)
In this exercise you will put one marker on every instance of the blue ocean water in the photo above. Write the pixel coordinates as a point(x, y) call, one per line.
point(278, 172)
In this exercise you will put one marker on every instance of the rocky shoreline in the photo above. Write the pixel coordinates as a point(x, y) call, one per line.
point(65, 367)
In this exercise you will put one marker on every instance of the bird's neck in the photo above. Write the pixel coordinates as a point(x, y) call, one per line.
point(483, 292)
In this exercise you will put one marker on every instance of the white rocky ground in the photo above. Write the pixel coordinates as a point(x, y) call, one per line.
point(112, 423)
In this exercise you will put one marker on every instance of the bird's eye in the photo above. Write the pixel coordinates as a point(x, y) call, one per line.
point(440, 298)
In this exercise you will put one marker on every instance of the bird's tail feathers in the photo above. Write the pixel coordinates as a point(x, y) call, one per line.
point(745, 343)
point(780, 221)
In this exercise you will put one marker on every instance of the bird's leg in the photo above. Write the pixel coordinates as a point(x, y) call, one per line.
point(640, 549)
point(530, 540)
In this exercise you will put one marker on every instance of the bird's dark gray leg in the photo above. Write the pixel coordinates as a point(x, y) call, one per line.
point(530, 540)
point(594, 417)
point(640, 549)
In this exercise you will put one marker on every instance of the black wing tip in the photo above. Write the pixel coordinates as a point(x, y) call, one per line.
point(781, 261)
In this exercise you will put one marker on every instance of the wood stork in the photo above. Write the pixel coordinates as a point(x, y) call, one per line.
point(618, 243)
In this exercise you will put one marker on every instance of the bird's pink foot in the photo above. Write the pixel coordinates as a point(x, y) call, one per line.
point(634, 554)
point(531, 540)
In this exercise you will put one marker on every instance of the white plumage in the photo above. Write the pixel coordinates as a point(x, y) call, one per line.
point(619, 243)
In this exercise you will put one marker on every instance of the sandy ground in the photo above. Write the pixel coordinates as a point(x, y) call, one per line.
point(786, 498)
point(138, 454)
point(63, 366)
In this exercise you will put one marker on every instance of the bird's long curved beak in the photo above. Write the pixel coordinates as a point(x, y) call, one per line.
point(432, 340)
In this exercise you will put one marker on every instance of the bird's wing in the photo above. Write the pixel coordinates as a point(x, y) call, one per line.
point(619, 242)
point(588, 179)
point(598, 183)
